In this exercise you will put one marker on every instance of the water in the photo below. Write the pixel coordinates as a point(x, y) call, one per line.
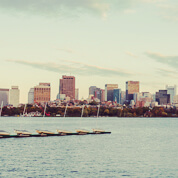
point(137, 147)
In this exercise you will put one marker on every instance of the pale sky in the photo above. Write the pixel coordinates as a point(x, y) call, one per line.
point(98, 41)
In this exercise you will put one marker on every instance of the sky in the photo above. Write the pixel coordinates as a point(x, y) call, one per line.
point(97, 41)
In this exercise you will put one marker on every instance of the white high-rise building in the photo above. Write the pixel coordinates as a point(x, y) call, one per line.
point(123, 97)
point(175, 100)
point(172, 91)
point(31, 96)
point(136, 97)
point(76, 93)
point(14, 96)
point(4, 96)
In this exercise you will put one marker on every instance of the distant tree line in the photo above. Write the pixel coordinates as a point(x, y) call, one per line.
point(92, 111)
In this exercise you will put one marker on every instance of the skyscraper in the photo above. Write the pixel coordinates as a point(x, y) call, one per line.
point(109, 89)
point(162, 97)
point(123, 97)
point(131, 88)
point(4, 96)
point(117, 95)
point(42, 92)
point(14, 96)
point(102, 95)
point(77, 94)
point(172, 91)
point(31, 96)
point(92, 90)
point(67, 86)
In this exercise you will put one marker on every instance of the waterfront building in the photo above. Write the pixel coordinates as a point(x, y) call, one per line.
point(131, 88)
point(31, 96)
point(146, 94)
point(175, 99)
point(62, 96)
point(117, 95)
point(172, 91)
point(139, 104)
point(136, 97)
point(143, 99)
point(154, 104)
point(153, 97)
point(109, 90)
point(102, 95)
point(4, 96)
point(97, 93)
point(162, 97)
point(67, 86)
point(42, 93)
point(14, 96)
point(123, 97)
point(92, 90)
point(76, 94)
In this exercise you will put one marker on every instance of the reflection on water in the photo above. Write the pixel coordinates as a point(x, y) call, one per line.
point(137, 147)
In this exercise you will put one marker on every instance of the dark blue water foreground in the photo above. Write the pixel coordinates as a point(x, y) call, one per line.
point(137, 147)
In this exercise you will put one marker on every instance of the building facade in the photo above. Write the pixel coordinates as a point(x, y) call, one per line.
point(67, 86)
point(76, 94)
point(92, 90)
point(4, 96)
point(109, 90)
point(31, 96)
point(131, 88)
point(42, 93)
point(175, 99)
point(172, 91)
point(14, 96)
point(162, 97)
point(117, 95)
point(123, 97)
point(102, 95)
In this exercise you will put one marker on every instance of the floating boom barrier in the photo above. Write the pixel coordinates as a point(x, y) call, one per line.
point(49, 135)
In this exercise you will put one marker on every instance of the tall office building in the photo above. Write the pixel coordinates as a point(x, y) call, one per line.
point(42, 93)
point(4, 96)
point(67, 86)
point(172, 91)
point(109, 90)
point(123, 97)
point(162, 97)
point(102, 95)
point(14, 96)
point(117, 95)
point(97, 93)
point(31, 96)
point(76, 94)
point(92, 90)
point(131, 88)
point(136, 97)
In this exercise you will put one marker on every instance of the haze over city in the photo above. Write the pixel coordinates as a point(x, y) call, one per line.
point(97, 41)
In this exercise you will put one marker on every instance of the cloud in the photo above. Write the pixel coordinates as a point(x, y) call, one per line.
point(56, 7)
point(129, 11)
point(131, 54)
point(66, 50)
point(171, 61)
point(169, 10)
point(167, 73)
point(154, 84)
point(73, 7)
point(75, 68)
point(153, 1)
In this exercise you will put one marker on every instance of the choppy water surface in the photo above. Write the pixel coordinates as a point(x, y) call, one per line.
point(137, 147)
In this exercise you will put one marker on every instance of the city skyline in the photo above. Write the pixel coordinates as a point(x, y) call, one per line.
point(98, 42)
point(67, 91)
